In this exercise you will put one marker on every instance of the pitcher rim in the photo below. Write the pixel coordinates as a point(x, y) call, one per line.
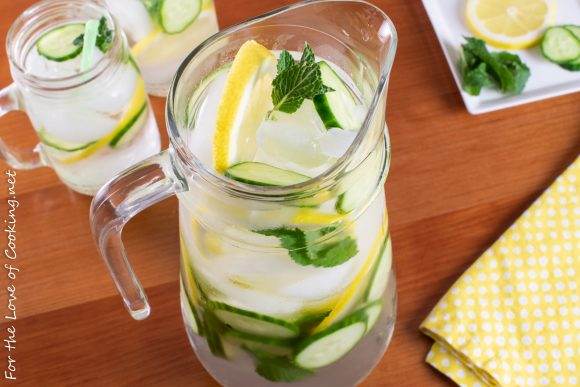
point(319, 183)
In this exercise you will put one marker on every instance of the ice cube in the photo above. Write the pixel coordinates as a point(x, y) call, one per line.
point(133, 18)
point(113, 94)
point(293, 137)
point(335, 142)
point(39, 66)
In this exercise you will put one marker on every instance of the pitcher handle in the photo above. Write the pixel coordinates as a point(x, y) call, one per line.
point(17, 159)
point(134, 190)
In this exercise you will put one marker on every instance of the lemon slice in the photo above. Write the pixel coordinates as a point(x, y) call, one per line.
point(311, 216)
point(207, 5)
point(136, 107)
point(244, 103)
point(350, 296)
point(510, 24)
point(144, 43)
point(188, 278)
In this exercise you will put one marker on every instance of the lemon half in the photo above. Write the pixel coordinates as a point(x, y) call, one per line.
point(510, 24)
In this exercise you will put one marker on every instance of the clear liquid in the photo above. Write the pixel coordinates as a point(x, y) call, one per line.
point(228, 266)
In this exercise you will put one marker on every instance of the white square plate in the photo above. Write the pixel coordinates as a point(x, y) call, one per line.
point(547, 79)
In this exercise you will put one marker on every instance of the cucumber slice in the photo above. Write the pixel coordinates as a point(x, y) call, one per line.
point(250, 172)
point(70, 152)
point(272, 346)
point(58, 44)
point(571, 66)
point(131, 128)
point(575, 30)
point(380, 275)
point(253, 323)
point(329, 345)
point(176, 15)
point(336, 108)
point(575, 64)
point(560, 45)
point(362, 185)
point(53, 142)
point(373, 311)
point(189, 312)
point(191, 294)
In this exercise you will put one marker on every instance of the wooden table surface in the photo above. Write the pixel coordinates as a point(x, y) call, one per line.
point(457, 182)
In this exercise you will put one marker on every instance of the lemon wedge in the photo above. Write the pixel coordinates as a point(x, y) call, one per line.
point(245, 101)
point(510, 24)
point(351, 295)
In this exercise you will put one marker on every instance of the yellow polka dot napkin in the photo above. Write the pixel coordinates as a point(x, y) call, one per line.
point(513, 318)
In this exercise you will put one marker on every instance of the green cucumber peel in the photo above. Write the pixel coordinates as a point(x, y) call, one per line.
point(89, 41)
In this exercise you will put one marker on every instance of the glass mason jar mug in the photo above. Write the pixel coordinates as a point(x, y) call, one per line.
point(92, 121)
point(162, 33)
point(257, 308)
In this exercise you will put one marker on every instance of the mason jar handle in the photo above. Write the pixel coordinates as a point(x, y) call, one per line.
point(134, 190)
point(16, 158)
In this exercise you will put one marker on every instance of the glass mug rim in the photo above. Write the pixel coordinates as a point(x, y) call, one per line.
point(22, 25)
point(313, 186)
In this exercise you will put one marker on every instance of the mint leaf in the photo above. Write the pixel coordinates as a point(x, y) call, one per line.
point(278, 368)
point(519, 70)
point(78, 41)
point(312, 237)
point(308, 322)
point(212, 327)
point(105, 35)
point(334, 254)
point(480, 68)
point(284, 61)
point(474, 79)
point(296, 81)
point(307, 54)
point(293, 240)
point(305, 249)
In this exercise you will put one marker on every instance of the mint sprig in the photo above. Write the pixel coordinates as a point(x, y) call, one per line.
point(481, 68)
point(212, 328)
point(296, 81)
point(277, 368)
point(104, 36)
point(303, 248)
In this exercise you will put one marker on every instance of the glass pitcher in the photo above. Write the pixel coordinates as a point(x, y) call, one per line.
point(91, 124)
point(256, 310)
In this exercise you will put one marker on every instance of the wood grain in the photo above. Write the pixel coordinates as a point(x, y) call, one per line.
point(457, 182)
